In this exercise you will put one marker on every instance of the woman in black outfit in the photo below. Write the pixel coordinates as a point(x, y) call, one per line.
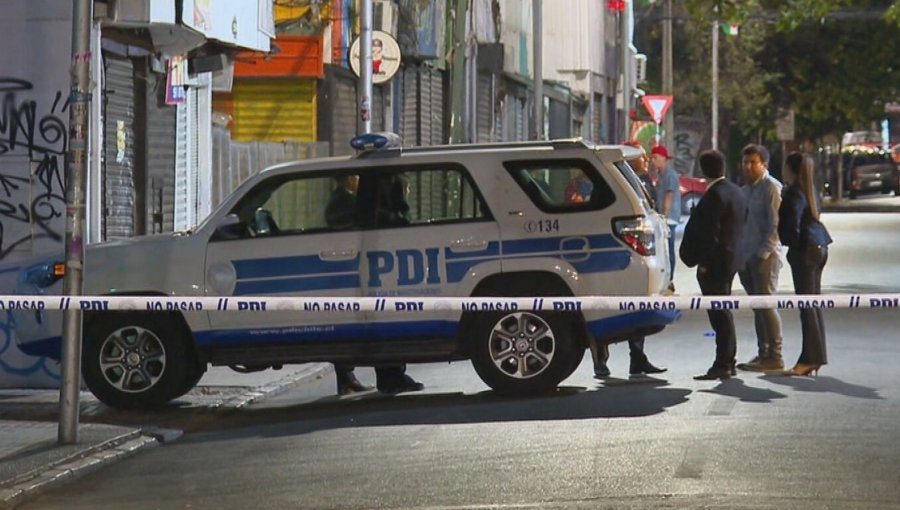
point(807, 240)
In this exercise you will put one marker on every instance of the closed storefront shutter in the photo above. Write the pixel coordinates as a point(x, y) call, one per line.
point(435, 111)
point(186, 156)
point(275, 110)
point(560, 120)
point(160, 159)
point(597, 119)
point(484, 117)
point(408, 81)
point(118, 151)
point(341, 102)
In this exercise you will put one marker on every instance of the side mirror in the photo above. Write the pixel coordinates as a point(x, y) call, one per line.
point(230, 227)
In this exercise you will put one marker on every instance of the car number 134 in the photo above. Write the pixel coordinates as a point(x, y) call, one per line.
point(535, 226)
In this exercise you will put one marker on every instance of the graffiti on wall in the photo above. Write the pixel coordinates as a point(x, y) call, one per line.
point(33, 142)
point(687, 140)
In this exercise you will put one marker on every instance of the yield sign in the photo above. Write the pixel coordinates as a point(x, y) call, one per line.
point(657, 106)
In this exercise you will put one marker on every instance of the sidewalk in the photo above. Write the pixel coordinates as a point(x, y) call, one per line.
point(31, 460)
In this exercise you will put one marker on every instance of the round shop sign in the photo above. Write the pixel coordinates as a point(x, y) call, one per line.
point(385, 56)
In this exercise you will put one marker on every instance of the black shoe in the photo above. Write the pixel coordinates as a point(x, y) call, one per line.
point(645, 367)
point(403, 385)
point(714, 373)
point(601, 371)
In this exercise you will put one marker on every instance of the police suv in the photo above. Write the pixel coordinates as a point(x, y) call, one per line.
point(558, 218)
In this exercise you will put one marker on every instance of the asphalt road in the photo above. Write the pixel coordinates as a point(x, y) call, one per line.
point(757, 441)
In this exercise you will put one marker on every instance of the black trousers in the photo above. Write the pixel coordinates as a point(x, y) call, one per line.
point(806, 269)
point(385, 375)
point(721, 321)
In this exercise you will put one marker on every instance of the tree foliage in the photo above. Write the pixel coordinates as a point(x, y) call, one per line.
point(836, 63)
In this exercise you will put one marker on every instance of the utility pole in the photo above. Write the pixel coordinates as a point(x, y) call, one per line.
point(714, 128)
point(457, 81)
point(537, 27)
point(669, 121)
point(625, 44)
point(76, 180)
point(364, 91)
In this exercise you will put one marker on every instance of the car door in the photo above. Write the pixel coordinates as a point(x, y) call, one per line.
point(431, 235)
point(299, 236)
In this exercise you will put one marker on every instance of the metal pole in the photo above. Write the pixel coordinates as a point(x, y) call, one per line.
point(668, 89)
point(76, 162)
point(538, 34)
point(364, 91)
point(715, 86)
point(625, 42)
point(457, 81)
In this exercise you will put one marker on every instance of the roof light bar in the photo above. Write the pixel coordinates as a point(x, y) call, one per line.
point(375, 141)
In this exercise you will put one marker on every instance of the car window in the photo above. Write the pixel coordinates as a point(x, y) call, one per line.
point(635, 182)
point(560, 186)
point(418, 196)
point(299, 204)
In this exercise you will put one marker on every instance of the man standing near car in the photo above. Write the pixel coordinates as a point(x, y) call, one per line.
point(761, 250)
point(712, 243)
point(668, 199)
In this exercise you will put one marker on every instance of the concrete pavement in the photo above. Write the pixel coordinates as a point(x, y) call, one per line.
point(31, 460)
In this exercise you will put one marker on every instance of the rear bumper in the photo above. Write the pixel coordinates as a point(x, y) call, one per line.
point(638, 323)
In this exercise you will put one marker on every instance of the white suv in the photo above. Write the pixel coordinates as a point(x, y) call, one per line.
point(560, 218)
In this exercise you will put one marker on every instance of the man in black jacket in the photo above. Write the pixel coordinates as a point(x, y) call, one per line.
point(710, 242)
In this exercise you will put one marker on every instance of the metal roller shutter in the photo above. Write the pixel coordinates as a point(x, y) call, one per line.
point(433, 116)
point(118, 152)
point(409, 106)
point(485, 114)
point(344, 112)
point(275, 110)
point(160, 159)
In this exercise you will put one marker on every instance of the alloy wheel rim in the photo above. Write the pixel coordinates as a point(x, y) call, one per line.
point(132, 359)
point(522, 345)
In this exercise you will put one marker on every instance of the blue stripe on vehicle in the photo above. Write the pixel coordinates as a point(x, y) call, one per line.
point(292, 266)
point(327, 332)
point(283, 285)
point(626, 323)
point(600, 262)
point(46, 348)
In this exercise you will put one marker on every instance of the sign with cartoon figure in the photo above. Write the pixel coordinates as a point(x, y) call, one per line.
point(385, 56)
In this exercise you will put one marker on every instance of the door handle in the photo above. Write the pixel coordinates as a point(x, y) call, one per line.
point(345, 254)
point(468, 244)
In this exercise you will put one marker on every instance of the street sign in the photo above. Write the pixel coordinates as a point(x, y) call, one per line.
point(657, 106)
point(784, 125)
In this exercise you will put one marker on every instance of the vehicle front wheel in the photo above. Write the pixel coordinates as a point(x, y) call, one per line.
point(138, 360)
point(523, 353)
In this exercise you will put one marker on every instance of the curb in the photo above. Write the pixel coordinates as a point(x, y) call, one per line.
point(18, 490)
point(40, 480)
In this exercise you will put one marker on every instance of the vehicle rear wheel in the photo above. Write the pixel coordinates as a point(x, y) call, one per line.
point(134, 360)
point(523, 353)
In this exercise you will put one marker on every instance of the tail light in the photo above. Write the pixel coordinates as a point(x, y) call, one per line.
point(46, 274)
point(637, 233)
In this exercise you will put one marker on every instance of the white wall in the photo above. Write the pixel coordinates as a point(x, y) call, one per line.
point(573, 41)
point(34, 76)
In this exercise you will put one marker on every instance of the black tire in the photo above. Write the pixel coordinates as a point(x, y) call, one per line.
point(544, 345)
point(138, 360)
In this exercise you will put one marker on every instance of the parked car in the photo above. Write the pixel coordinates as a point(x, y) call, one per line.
point(692, 188)
point(457, 221)
point(866, 169)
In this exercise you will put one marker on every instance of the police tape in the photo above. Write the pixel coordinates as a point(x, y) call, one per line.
point(444, 304)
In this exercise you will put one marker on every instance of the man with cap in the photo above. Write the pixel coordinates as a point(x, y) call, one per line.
point(668, 198)
point(639, 365)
